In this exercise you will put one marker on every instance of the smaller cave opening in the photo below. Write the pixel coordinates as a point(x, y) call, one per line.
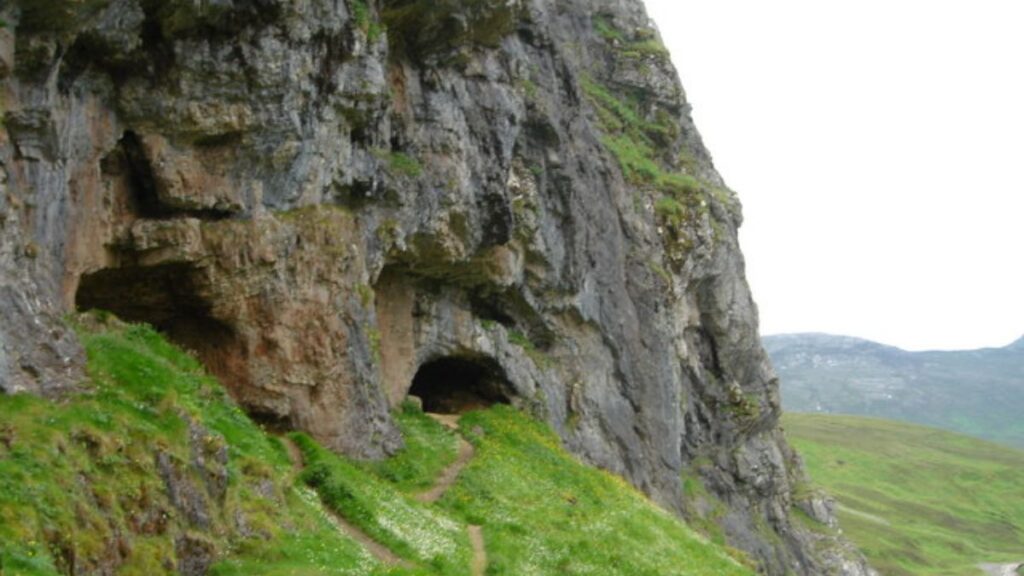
point(457, 384)
point(131, 156)
point(270, 421)
point(169, 298)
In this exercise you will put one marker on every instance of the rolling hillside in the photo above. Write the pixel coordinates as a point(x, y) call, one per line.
point(916, 500)
point(977, 392)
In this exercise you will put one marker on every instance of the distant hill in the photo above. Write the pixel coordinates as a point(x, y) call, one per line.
point(915, 500)
point(977, 392)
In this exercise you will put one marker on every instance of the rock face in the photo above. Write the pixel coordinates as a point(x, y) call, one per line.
point(320, 197)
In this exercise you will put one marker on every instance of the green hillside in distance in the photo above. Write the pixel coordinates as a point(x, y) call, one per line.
point(976, 392)
point(151, 469)
point(916, 500)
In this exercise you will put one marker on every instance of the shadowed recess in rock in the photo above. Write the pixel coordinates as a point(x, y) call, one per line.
point(456, 384)
point(168, 298)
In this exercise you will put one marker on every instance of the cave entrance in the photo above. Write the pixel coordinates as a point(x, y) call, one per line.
point(168, 297)
point(457, 384)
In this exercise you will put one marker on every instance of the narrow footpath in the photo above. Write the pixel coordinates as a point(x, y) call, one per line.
point(1002, 569)
point(447, 478)
point(451, 473)
point(376, 549)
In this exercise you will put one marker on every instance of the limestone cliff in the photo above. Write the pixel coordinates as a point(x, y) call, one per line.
point(332, 200)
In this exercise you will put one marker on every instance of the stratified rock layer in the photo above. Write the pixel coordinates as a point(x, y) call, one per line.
point(320, 197)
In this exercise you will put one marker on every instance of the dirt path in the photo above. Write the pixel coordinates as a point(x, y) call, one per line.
point(1001, 569)
point(450, 474)
point(446, 480)
point(865, 515)
point(376, 549)
point(476, 539)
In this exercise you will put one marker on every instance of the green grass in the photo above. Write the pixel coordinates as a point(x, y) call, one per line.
point(405, 165)
point(80, 483)
point(429, 448)
point(79, 479)
point(417, 532)
point(639, 44)
point(365, 20)
point(917, 500)
point(543, 512)
point(635, 141)
point(607, 30)
point(399, 163)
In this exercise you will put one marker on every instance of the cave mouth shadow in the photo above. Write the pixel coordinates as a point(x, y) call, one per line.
point(458, 384)
point(168, 298)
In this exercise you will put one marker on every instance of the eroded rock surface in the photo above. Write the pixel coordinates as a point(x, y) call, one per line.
point(320, 197)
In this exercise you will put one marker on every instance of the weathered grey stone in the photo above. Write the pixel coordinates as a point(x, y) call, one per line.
point(195, 555)
point(319, 218)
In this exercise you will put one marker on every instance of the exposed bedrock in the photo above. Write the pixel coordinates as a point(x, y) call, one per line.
point(334, 201)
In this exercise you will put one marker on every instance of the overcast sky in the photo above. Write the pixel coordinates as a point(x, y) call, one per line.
point(878, 149)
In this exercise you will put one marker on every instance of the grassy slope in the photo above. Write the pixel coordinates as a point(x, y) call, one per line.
point(545, 513)
point(917, 500)
point(80, 483)
point(541, 510)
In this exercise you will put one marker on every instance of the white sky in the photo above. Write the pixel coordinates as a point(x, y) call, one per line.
point(878, 149)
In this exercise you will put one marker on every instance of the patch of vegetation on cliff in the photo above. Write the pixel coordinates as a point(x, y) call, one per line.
point(679, 199)
point(400, 163)
point(642, 43)
point(538, 356)
point(635, 141)
point(916, 500)
point(365, 20)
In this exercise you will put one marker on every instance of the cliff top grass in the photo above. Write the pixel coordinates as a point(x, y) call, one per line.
point(916, 500)
point(109, 478)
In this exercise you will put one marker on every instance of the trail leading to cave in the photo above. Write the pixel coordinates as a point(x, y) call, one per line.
point(447, 479)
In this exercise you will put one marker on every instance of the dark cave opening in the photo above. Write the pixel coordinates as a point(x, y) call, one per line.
point(457, 384)
point(168, 298)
